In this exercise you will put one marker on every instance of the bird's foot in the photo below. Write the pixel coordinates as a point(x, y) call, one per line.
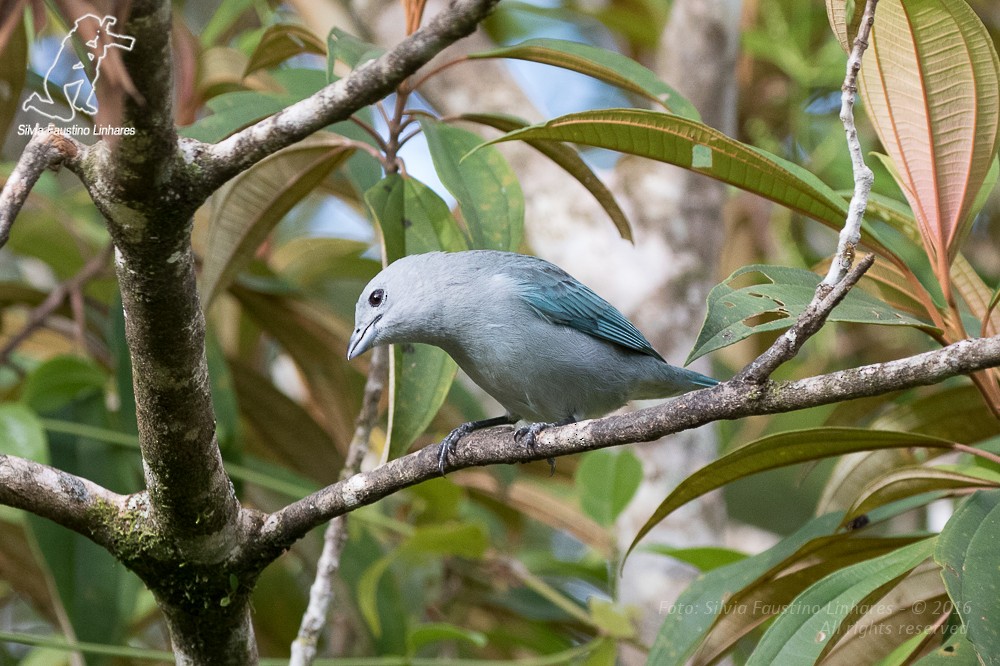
point(448, 444)
point(526, 435)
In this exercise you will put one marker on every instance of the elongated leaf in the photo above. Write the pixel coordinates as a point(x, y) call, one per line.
point(705, 558)
point(692, 145)
point(316, 341)
point(781, 450)
point(21, 433)
point(930, 83)
point(253, 203)
point(436, 632)
point(484, 185)
point(915, 480)
point(413, 220)
point(967, 554)
point(607, 66)
point(798, 636)
point(606, 482)
point(288, 433)
point(695, 611)
point(281, 42)
point(773, 592)
point(912, 608)
point(782, 298)
point(568, 159)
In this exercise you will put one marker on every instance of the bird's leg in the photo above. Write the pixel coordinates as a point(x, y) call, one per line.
point(528, 433)
point(447, 446)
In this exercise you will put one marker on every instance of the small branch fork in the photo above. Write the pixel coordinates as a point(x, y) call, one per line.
point(49, 149)
point(72, 290)
point(841, 277)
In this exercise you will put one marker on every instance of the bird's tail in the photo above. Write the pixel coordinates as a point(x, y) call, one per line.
point(670, 380)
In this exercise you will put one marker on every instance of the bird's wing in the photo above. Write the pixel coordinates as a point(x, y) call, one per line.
point(560, 299)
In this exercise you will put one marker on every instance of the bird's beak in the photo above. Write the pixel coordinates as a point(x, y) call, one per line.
point(361, 339)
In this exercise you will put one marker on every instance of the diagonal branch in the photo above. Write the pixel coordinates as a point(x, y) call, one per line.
point(808, 324)
point(71, 501)
point(70, 289)
point(47, 149)
point(365, 85)
point(730, 400)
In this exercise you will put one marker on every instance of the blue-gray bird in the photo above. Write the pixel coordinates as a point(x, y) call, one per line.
point(546, 347)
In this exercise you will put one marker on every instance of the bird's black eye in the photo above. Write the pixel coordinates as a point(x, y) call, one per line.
point(376, 298)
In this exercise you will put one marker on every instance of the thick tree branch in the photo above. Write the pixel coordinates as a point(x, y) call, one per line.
point(365, 85)
point(71, 501)
point(730, 400)
point(46, 150)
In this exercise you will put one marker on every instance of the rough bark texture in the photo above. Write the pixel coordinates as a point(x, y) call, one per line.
point(186, 536)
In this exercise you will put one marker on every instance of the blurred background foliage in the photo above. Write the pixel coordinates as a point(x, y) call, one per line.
point(492, 564)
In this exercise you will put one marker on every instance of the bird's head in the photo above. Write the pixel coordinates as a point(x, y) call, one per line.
point(394, 306)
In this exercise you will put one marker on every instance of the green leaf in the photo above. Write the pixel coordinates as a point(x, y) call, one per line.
point(568, 159)
point(606, 481)
point(466, 540)
point(916, 480)
point(610, 618)
point(967, 554)
point(287, 432)
point(316, 340)
point(798, 636)
point(348, 49)
point(97, 592)
point(705, 558)
point(782, 450)
point(458, 539)
point(774, 301)
point(281, 42)
point(613, 68)
point(690, 618)
point(250, 205)
point(60, 381)
point(700, 148)
point(958, 651)
point(484, 185)
point(430, 633)
point(414, 220)
point(22, 434)
point(774, 592)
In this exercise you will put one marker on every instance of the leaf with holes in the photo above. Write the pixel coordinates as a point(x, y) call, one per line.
point(776, 298)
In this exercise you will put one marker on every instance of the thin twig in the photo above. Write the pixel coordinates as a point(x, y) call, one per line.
point(808, 323)
point(840, 278)
point(71, 289)
point(321, 592)
point(46, 150)
point(850, 235)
